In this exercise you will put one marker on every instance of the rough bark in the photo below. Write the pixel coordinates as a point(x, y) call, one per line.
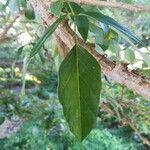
point(117, 5)
point(117, 72)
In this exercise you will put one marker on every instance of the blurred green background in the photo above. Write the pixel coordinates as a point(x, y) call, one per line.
point(123, 121)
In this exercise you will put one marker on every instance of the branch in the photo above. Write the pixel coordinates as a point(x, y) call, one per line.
point(125, 121)
point(9, 63)
point(3, 36)
point(117, 72)
point(118, 5)
point(9, 127)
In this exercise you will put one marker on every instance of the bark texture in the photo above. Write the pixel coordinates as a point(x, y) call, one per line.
point(118, 5)
point(117, 72)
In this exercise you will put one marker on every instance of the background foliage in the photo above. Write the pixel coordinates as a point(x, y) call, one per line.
point(123, 121)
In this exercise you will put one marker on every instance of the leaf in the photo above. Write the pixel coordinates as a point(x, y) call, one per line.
point(114, 47)
point(13, 6)
point(79, 90)
point(73, 8)
point(98, 32)
point(48, 32)
point(111, 35)
point(146, 72)
point(23, 3)
point(56, 8)
point(83, 26)
point(110, 21)
point(2, 118)
point(19, 52)
point(144, 65)
point(129, 55)
point(29, 13)
point(81, 21)
point(104, 27)
point(146, 57)
point(41, 56)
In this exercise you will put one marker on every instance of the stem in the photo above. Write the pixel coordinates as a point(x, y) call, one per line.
point(23, 78)
point(75, 31)
point(122, 93)
point(12, 70)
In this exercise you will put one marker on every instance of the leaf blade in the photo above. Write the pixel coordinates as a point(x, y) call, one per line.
point(56, 7)
point(110, 21)
point(48, 32)
point(79, 90)
point(29, 13)
point(83, 26)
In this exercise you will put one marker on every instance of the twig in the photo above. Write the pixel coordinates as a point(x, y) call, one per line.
point(3, 36)
point(118, 5)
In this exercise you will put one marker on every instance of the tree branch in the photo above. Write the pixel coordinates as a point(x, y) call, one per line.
point(117, 72)
point(3, 36)
point(118, 5)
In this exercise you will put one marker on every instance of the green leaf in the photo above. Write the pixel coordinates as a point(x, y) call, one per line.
point(2, 118)
point(13, 6)
point(111, 35)
point(29, 13)
point(146, 57)
point(104, 27)
point(79, 90)
point(114, 47)
point(23, 3)
point(56, 8)
point(73, 8)
point(144, 65)
point(41, 56)
point(110, 21)
point(19, 52)
point(82, 23)
point(146, 72)
point(98, 32)
point(48, 32)
point(129, 55)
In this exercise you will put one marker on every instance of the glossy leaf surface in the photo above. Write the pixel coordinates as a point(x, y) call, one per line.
point(110, 21)
point(47, 33)
point(29, 13)
point(83, 26)
point(79, 90)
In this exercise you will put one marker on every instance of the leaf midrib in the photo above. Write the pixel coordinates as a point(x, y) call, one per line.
point(78, 88)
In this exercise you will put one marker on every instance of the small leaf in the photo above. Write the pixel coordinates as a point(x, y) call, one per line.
point(144, 65)
point(19, 52)
point(41, 56)
point(13, 6)
point(23, 3)
point(114, 47)
point(29, 13)
point(56, 8)
point(111, 35)
point(129, 55)
point(146, 72)
point(48, 32)
point(104, 27)
point(110, 21)
point(73, 8)
point(98, 32)
point(146, 58)
point(2, 118)
point(83, 25)
point(79, 90)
